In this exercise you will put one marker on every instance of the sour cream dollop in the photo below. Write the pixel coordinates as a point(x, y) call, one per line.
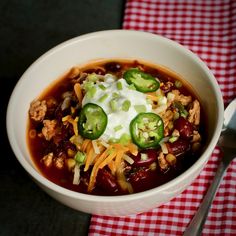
point(121, 103)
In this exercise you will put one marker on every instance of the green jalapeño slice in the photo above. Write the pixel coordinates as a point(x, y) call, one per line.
point(92, 121)
point(147, 130)
point(143, 82)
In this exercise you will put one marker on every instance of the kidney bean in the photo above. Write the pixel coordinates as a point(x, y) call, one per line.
point(151, 157)
point(139, 175)
point(143, 179)
point(184, 127)
point(106, 181)
point(178, 147)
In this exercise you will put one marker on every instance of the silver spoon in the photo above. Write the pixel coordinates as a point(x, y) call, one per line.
point(227, 143)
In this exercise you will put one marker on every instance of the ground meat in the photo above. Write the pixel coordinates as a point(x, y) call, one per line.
point(194, 113)
point(51, 103)
point(49, 129)
point(47, 159)
point(162, 162)
point(170, 99)
point(38, 110)
point(196, 137)
point(167, 117)
point(59, 161)
point(184, 100)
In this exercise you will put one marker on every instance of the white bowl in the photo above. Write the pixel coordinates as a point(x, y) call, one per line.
point(114, 44)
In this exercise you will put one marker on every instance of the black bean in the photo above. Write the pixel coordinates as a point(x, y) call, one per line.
point(113, 66)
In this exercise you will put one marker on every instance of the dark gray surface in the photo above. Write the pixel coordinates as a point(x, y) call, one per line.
point(27, 30)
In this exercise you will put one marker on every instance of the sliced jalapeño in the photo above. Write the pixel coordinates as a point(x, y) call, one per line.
point(142, 81)
point(92, 121)
point(147, 130)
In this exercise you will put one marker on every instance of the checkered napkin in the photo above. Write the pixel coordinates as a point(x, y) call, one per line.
point(208, 28)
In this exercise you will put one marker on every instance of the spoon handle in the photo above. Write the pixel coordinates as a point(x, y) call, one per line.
point(196, 225)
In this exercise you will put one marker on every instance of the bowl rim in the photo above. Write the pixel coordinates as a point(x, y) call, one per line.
point(121, 198)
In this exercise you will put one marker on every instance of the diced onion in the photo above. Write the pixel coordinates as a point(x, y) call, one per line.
point(76, 140)
point(164, 140)
point(66, 103)
point(128, 159)
point(164, 148)
point(109, 78)
point(95, 147)
point(160, 109)
point(170, 97)
point(144, 156)
point(76, 179)
point(104, 144)
point(162, 100)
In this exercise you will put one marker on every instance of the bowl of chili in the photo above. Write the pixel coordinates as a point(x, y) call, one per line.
point(143, 94)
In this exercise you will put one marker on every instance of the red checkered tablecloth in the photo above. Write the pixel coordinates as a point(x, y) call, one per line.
point(208, 28)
